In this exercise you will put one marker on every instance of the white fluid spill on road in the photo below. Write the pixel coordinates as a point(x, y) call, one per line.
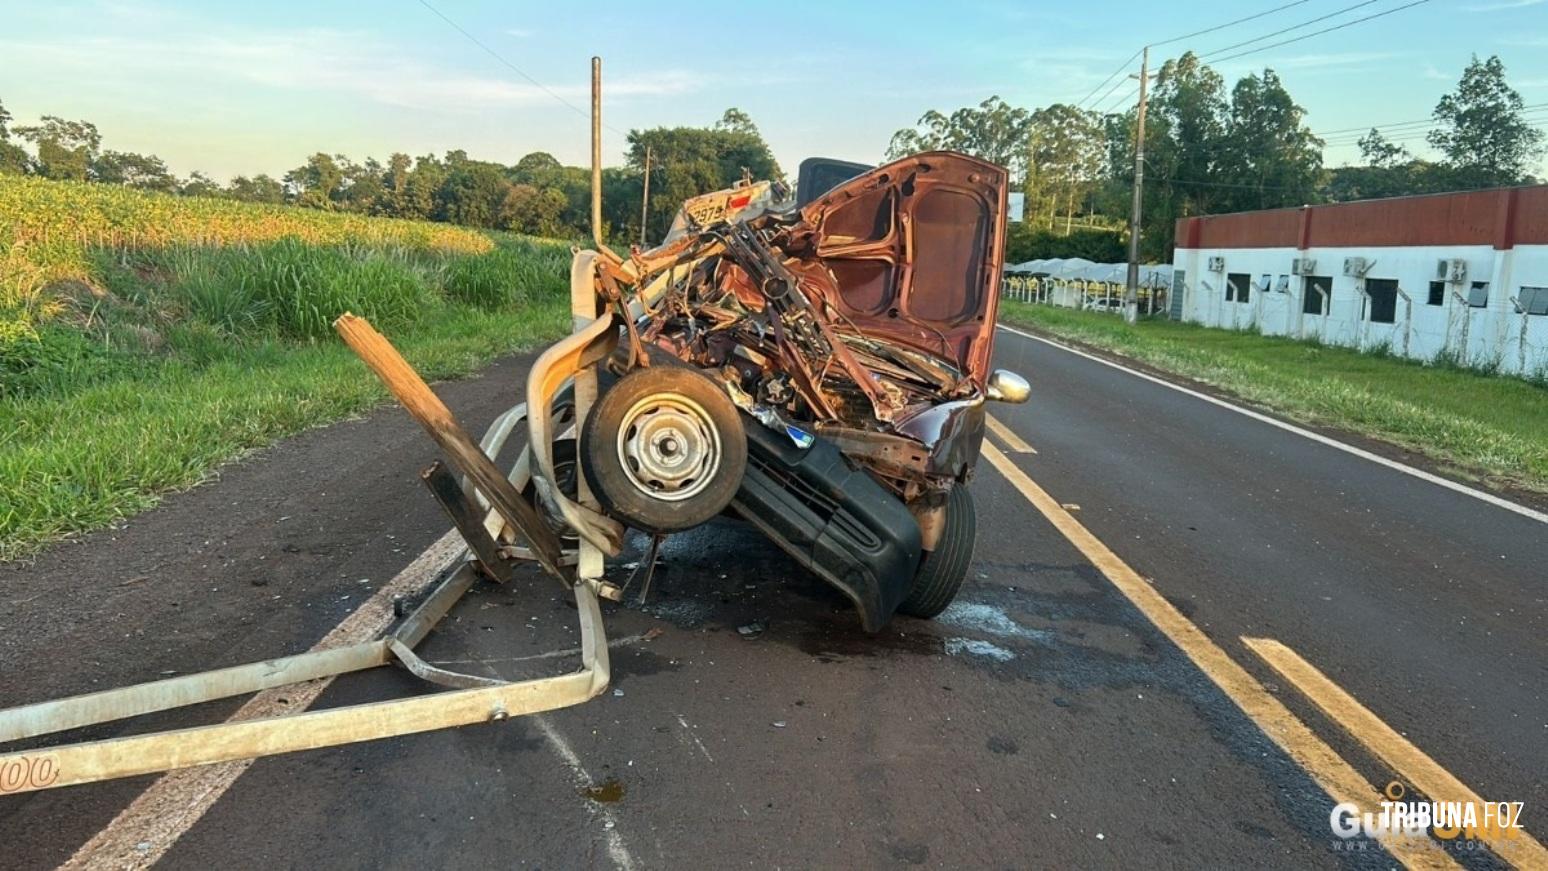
point(977, 647)
point(989, 620)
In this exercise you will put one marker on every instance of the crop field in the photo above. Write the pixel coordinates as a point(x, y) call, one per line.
point(145, 338)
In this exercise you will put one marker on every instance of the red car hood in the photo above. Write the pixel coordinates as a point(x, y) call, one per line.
point(911, 252)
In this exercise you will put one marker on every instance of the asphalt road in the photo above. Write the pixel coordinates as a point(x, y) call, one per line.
point(1044, 721)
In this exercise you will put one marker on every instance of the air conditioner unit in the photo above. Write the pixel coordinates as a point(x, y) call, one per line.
point(1453, 270)
point(1217, 264)
point(1303, 266)
point(1356, 267)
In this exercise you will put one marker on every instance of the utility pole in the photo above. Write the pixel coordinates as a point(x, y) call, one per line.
point(645, 200)
point(1131, 287)
point(596, 150)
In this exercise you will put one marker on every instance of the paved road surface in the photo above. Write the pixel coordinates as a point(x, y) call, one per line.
point(1045, 721)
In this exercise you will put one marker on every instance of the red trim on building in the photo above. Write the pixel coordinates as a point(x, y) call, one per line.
point(1502, 218)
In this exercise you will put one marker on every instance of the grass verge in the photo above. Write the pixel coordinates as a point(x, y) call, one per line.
point(145, 340)
point(1480, 425)
point(82, 460)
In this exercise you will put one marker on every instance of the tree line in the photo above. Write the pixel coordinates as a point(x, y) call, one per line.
point(1210, 150)
point(536, 195)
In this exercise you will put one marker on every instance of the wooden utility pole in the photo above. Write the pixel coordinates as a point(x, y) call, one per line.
point(1131, 286)
point(596, 150)
point(645, 200)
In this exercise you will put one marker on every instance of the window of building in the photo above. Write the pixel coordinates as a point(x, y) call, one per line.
point(1534, 300)
point(1478, 295)
point(1312, 302)
point(1437, 293)
point(1238, 286)
point(1283, 285)
point(1266, 284)
point(1383, 302)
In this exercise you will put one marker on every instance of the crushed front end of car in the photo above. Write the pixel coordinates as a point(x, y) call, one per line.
point(822, 371)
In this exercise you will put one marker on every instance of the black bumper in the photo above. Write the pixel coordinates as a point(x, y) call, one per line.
point(834, 519)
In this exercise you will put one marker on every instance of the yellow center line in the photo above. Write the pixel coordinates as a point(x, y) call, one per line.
point(1421, 772)
point(1012, 441)
point(1336, 777)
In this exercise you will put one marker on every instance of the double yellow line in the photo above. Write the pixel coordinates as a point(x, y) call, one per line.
point(1336, 776)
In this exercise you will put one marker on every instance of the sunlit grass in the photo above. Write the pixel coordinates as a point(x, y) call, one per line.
point(1485, 425)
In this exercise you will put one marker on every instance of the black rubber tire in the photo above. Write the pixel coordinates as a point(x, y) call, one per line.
point(612, 485)
point(564, 470)
point(942, 570)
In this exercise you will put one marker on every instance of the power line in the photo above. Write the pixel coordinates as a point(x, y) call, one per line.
point(1227, 24)
point(512, 67)
point(1320, 32)
point(1306, 23)
point(1121, 67)
point(1363, 130)
point(1531, 119)
point(1125, 65)
point(1102, 100)
point(1121, 101)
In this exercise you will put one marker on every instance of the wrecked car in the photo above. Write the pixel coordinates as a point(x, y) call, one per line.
point(819, 369)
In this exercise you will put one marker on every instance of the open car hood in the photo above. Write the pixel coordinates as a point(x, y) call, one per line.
point(910, 252)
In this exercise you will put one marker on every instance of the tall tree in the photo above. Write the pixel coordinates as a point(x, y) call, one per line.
point(533, 210)
point(200, 185)
point(66, 149)
point(428, 175)
point(260, 188)
point(993, 130)
point(1184, 141)
point(736, 121)
point(143, 171)
point(473, 193)
point(1269, 155)
point(1379, 151)
point(688, 161)
point(13, 158)
point(1067, 152)
point(1482, 133)
point(318, 182)
point(395, 185)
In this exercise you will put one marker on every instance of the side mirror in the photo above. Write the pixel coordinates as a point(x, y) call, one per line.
point(1006, 386)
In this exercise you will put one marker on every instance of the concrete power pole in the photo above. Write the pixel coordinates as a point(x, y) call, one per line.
point(1131, 287)
point(645, 200)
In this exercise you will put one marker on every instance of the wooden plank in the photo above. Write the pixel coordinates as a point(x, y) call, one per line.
point(444, 487)
point(464, 454)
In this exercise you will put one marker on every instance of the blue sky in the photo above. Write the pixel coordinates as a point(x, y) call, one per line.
point(233, 88)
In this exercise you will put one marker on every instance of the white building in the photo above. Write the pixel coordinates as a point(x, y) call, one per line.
point(1463, 275)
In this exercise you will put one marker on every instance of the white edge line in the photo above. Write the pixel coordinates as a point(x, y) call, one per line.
point(155, 819)
point(1449, 484)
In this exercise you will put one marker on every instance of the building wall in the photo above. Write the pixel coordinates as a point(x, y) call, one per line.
point(1502, 235)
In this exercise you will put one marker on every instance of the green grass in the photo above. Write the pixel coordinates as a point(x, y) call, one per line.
point(1480, 425)
point(155, 365)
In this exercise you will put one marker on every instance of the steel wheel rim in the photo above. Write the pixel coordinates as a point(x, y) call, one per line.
point(669, 447)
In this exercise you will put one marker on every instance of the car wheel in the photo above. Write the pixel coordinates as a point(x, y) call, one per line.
point(942, 570)
point(664, 449)
point(564, 473)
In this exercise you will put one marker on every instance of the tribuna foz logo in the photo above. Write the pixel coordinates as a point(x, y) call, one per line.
point(1448, 821)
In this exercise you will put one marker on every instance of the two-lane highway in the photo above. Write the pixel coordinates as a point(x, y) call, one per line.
point(1425, 603)
point(1089, 700)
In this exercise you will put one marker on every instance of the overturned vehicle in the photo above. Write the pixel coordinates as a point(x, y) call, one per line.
point(819, 369)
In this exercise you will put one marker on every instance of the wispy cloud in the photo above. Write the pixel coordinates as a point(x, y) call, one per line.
point(325, 60)
point(1507, 4)
point(1430, 72)
point(518, 32)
